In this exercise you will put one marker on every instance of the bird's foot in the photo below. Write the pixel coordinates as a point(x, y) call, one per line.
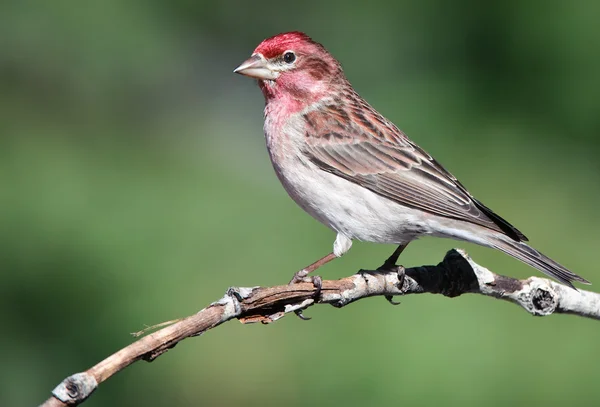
point(384, 269)
point(390, 262)
point(401, 275)
point(302, 277)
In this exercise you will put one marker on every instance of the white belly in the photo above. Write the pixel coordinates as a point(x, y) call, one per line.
point(344, 206)
point(348, 208)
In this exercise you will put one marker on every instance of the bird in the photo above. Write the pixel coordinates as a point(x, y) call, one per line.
point(356, 172)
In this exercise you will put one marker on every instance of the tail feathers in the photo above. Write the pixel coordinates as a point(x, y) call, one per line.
point(502, 223)
point(535, 259)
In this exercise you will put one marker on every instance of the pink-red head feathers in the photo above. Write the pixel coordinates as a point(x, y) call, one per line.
point(278, 44)
point(291, 66)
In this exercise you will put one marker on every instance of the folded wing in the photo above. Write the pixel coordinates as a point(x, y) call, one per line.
point(373, 153)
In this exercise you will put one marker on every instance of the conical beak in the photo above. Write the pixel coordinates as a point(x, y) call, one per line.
point(256, 67)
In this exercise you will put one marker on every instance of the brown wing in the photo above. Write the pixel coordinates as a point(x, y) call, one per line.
point(376, 155)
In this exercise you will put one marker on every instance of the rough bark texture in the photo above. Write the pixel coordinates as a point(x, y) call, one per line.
point(457, 274)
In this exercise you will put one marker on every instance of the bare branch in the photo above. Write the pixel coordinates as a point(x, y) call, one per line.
point(457, 274)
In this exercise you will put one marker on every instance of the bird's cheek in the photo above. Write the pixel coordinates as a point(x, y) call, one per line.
point(267, 88)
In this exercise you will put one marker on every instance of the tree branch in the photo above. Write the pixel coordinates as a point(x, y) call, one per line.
point(457, 274)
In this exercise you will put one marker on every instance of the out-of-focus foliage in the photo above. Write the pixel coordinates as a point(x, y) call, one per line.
point(135, 187)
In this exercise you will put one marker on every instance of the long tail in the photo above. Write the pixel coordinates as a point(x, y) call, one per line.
point(535, 259)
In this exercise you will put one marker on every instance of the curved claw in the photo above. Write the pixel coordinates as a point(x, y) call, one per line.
point(390, 299)
point(318, 283)
point(300, 315)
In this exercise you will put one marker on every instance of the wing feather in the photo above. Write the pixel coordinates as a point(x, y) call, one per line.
point(393, 167)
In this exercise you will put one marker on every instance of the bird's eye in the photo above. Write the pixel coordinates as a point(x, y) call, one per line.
point(289, 57)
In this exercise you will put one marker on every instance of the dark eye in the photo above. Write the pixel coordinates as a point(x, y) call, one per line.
point(289, 57)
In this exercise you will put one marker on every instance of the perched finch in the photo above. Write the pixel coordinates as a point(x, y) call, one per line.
point(355, 171)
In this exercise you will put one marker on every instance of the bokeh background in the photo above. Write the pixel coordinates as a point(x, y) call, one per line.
point(135, 188)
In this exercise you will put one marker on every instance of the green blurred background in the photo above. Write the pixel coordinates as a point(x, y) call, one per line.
point(135, 188)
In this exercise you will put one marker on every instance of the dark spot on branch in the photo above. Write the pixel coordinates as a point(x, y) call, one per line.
point(507, 284)
point(452, 277)
point(542, 300)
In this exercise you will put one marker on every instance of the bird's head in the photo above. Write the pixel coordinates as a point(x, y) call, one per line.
point(292, 65)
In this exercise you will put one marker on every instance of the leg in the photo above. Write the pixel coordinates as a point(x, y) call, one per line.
point(341, 245)
point(391, 261)
point(389, 264)
point(301, 275)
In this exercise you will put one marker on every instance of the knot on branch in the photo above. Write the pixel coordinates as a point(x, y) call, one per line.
point(75, 388)
point(539, 297)
point(543, 300)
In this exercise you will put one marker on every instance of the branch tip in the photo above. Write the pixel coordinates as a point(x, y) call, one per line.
point(75, 388)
